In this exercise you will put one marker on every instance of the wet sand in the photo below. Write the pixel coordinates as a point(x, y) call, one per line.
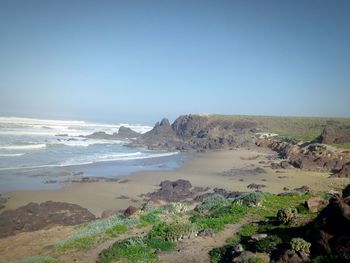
point(203, 171)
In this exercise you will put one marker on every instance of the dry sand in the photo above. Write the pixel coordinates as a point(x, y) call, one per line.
point(203, 171)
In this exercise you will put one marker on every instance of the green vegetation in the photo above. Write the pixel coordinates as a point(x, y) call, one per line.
point(300, 245)
point(299, 128)
point(133, 249)
point(268, 244)
point(287, 215)
point(116, 230)
point(278, 234)
point(221, 216)
point(88, 234)
point(345, 146)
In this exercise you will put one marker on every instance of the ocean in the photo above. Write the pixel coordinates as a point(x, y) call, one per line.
point(45, 154)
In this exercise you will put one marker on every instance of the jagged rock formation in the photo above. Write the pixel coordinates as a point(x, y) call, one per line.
point(123, 133)
point(331, 135)
point(313, 157)
point(33, 216)
point(198, 133)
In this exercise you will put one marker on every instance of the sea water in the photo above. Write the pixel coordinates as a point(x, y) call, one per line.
point(35, 153)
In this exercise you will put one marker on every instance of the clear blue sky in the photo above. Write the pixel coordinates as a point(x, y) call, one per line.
point(138, 61)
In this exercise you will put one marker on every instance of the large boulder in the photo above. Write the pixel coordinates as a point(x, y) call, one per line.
point(33, 216)
point(126, 133)
point(315, 203)
point(333, 134)
point(331, 230)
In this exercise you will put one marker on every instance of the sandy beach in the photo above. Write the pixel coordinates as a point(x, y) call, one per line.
point(205, 170)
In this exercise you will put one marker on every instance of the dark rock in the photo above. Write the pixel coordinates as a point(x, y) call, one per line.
point(131, 210)
point(174, 191)
point(333, 134)
point(256, 186)
point(331, 229)
point(302, 189)
point(109, 213)
point(243, 172)
point(126, 133)
point(346, 191)
point(206, 233)
point(33, 216)
point(290, 256)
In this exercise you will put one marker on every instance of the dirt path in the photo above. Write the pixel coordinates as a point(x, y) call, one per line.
point(197, 249)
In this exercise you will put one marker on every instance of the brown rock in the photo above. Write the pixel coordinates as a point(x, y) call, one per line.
point(316, 203)
point(109, 213)
point(131, 210)
point(33, 216)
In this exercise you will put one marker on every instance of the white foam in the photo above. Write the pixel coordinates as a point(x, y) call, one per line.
point(41, 127)
point(86, 143)
point(11, 154)
point(23, 147)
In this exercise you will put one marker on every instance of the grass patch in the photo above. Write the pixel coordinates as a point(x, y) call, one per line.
point(134, 251)
point(345, 146)
point(220, 217)
point(161, 244)
point(248, 230)
point(80, 243)
point(116, 230)
point(86, 235)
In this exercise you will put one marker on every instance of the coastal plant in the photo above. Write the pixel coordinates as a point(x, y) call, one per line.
point(268, 244)
point(85, 236)
point(220, 217)
point(286, 215)
point(248, 230)
point(149, 218)
point(212, 201)
point(254, 199)
point(161, 244)
point(178, 231)
point(300, 245)
point(176, 208)
point(116, 230)
point(133, 249)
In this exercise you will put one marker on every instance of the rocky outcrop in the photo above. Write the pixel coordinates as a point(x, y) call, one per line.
point(174, 191)
point(195, 132)
point(310, 156)
point(333, 134)
point(123, 133)
point(33, 216)
point(126, 133)
point(331, 230)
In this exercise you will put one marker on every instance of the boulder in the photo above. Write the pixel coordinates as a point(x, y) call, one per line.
point(291, 256)
point(315, 203)
point(206, 233)
point(126, 133)
point(334, 134)
point(131, 210)
point(108, 213)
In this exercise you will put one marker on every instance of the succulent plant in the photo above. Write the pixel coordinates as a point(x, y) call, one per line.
point(287, 215)
point(300, 245)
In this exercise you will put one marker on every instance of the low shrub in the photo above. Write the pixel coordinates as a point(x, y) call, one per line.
point(161, 244)
point(268, 244)
point(132, 249)
point(286, 215)
point(300, 245)
point(211, 202)
point(254, 199)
